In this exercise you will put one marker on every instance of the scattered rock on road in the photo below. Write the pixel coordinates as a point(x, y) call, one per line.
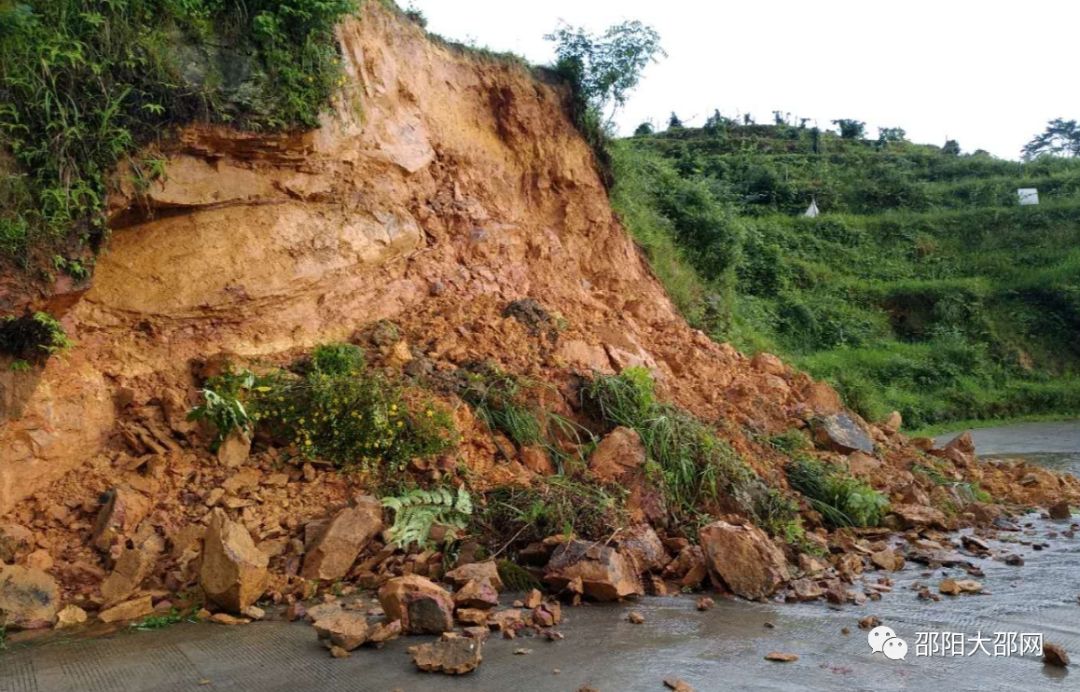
point(780, 657)
point(1055, 655)
point(451, 654)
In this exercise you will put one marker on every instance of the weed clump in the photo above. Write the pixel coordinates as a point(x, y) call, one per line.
point(842, 499)
point(336, 410)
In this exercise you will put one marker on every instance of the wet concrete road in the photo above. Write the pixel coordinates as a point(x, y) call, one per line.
point(721, 649)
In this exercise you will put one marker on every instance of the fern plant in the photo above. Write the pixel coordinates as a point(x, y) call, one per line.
point(418, 510)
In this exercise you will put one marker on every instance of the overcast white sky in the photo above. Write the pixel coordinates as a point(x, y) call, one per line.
point(988, 74)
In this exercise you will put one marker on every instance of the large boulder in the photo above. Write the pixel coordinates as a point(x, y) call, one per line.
point(619, 453)
point(234, 572)
point(420, 604)
point(131, 568)
point(743, 558)
point(605, 574)
point(29, 598)
point(336, 548)
point(477, 594)
point(842, 432)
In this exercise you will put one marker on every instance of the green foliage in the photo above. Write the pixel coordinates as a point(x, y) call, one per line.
point(850, 129)
point(790, 442)
point(605, 67)
point(157, 622)
point(966, 491)
point(687, 460)
point(335, 410)
point(32, 338)
point(1060, 138)
point(922, 287)
point(84, 84)
point(418, 510)
point(505, 403)
point(842, 499)
point(556, 504)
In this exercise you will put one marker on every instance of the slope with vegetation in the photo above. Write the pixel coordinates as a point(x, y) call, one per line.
point(922, 286)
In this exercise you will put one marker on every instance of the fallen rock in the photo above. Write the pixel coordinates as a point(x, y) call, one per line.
point(124, 508)
point(1060, 511)
point(471, 616)
point(131, 568)
point(888, 559)
point(892, 423)
point(427, 613)
point(781, 657)
point(869, 622)
point(335, 550)
point(29, 598)
point(477, 594)
point(641, 545)
point(1055, 655)
point(487, 569)
point(451, 654)
point(635, 618)
point(128, 610)
point(39, 559)
point(392, 594)
point(678, 684)
point(233, 573)
point(70, 616)
point(15, 542)
point(533, 598)
point(743, 558)
point(620, 452)
point(705, 603)
point(841, 432)
point(338, 652)
point(384, 632)
point(226, 619)
point(347, 629)
point(955, 587)
point(806, 590)
point(605, 575)
point(234, 449)
point(919, 516)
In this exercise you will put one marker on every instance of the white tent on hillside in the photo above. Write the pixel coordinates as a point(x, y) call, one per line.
point(812, 210)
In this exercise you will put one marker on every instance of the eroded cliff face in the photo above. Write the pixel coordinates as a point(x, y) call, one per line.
point(440, 188)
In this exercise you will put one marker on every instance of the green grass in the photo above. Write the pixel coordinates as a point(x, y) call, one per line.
point(841, 499)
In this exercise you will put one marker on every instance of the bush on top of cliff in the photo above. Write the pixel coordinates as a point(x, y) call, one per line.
point(86, 83)
point(335, 409)
point(602, 70)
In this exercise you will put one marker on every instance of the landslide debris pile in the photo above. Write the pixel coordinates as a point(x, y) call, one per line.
point(412, 346)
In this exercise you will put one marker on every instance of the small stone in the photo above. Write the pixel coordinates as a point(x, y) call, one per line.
point(845, 631)
point(461, 576)
point(129, 610)
point(451, 654)
point(384, 632)
point(338, 652)
point(234, 449)
point(254, 612)
point(522, 652)
point(295, 612)
point(532, 599)
point(477, 594)
point(678, 684)
point(69, 616)
point(1014, 560)
point(1060, 511)
point(705, 603)
point(869, 622)
point(636, 618)
point(226, 619)
point(780, 657)
point(1055, 655)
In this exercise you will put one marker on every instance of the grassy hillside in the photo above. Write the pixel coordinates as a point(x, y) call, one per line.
point(922, 286)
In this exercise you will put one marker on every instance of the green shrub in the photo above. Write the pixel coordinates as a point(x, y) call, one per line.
point(842, 499)
point(32, 338)
point(335, 410)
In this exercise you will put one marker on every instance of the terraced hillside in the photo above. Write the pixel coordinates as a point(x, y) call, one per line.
point(922, 286)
